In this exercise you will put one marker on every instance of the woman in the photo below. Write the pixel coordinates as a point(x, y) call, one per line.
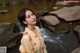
point(32, 41)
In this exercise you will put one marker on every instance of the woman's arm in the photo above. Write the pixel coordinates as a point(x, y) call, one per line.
point(21, 49)
point(27, 44)
point(44, 49)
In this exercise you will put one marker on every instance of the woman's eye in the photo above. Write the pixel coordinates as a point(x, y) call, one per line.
point(32, 14)
point(28, 16)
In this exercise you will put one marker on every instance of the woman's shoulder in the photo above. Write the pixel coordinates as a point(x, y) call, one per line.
point(37, 27)
point(25, 36)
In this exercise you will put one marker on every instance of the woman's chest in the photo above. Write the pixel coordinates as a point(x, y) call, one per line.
point(37, 42)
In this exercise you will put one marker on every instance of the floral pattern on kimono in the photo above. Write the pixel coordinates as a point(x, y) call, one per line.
point(32, 43)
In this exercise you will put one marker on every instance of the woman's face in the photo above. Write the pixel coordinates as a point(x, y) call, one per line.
point(30, 18)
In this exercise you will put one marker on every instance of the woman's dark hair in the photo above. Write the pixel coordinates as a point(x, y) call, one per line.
point(22, 15)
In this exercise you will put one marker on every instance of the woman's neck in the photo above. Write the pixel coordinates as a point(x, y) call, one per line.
point(31, 27)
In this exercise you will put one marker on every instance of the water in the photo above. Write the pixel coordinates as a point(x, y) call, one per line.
point(58, 42)
point(11, 15)
point(35, 5)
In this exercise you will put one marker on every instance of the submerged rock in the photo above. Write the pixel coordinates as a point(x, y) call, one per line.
point(3, 11)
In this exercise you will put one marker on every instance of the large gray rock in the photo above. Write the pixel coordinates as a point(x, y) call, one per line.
point(77, 50)
point(51, 20)
point(7, 37)
point(68, 13)
point(71, 14)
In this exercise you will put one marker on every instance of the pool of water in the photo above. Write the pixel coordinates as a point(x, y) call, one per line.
point(13, 10)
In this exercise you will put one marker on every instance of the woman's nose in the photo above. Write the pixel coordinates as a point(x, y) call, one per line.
point(33, 17)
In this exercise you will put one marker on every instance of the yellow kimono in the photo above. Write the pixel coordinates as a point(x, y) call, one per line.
point(32, 43)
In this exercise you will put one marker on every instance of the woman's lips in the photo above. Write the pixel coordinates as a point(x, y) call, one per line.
point(33, 20)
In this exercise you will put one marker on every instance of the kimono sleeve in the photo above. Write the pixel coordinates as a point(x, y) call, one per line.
point(44, 50)
point(26, 44)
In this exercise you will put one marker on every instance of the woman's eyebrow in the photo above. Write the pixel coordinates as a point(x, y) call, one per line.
point(28, 15)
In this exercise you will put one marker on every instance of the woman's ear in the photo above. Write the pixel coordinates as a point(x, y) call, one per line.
point(24, 22)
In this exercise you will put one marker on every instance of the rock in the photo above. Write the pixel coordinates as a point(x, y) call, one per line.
point(61, 3)
point(4, 27)
point(18, 27)
point(68, 13)
point(77, 50)
point(59, 11)
point(51, 28)
point(77, 29)
point(7, 37)
point(41, 13)
point(51, 20)
point(14, 37)
point(70, 41)
point(58, 42)
point(66, 2)
point(55, 8)
point(3, 11)
point(63, 27)
point(71, 14)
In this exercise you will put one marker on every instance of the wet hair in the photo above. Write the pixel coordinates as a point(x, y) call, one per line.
point(22, 15)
